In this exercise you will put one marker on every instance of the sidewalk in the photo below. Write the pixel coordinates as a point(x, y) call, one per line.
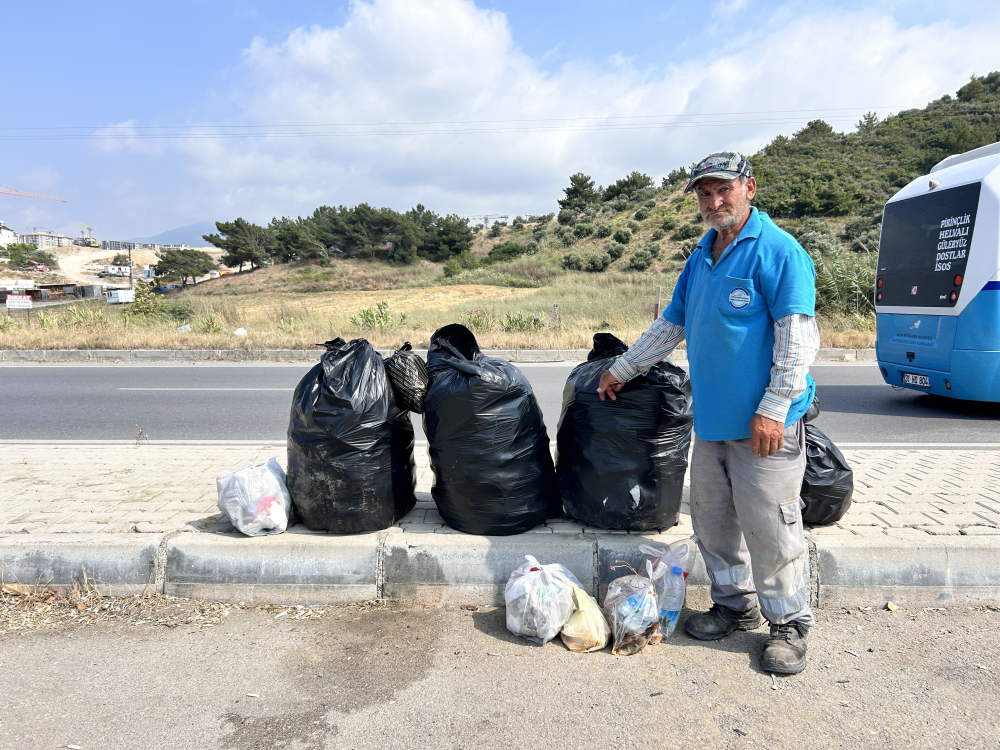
point(924, 529)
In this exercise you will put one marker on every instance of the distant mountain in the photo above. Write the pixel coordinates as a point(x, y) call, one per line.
point(189, 235)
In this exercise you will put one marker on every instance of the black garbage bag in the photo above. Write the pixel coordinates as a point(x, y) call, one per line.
point(489, 451)
point(350, 446)
point(408, 375)
point(621, 463)
point(828, 484)
point(813, 411)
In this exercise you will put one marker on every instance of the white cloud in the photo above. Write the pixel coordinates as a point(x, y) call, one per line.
point(409, 61)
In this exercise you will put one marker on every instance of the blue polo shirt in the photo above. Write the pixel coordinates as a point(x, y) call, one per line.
point(728, 311)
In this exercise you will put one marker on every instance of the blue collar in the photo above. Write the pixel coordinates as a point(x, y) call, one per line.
point(750, 230)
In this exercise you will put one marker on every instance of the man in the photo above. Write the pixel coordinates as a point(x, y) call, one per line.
point(745, 302)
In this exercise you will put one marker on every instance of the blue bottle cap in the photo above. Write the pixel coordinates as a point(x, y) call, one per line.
point(676, 570)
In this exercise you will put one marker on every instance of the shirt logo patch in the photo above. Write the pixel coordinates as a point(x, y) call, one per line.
point(739, 298)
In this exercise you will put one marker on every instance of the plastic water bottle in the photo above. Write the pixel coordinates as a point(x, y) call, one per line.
point(672, 601)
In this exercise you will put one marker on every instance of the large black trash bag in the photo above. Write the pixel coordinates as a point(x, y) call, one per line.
point(408, 375)
point(828, 484)
point(350, 446)
point(813, 411)
point(489, 451)
point(621, 463)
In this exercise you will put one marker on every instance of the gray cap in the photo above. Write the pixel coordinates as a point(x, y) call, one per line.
point(724, 165)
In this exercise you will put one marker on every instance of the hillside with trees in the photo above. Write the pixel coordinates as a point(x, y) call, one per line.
point(826, 188)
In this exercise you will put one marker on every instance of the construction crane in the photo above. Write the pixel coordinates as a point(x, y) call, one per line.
point(86, 238)
point(9, 191)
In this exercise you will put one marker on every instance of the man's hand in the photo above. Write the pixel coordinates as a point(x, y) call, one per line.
point(766, 435)
point(608, 386)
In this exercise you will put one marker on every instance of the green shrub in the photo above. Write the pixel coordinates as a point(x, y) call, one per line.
point(598, 263)
point(590, 211)
point(568, 238)
point(520, 322)
point(496, 229)
point(538, 234)
point(572, 262)
point(615, 250)
point(212, 324)
point(650, 204)
point(659, 234)
point(452, 267)
point(623, 236)
point(517, 226)
point(688, 246)
point(532, 247)
point(567, 216)
point(861, 225)
point(583, 229)
point(640, 261)
point(669, 224)
point(603, 229)
point(642, 214)
point(479, 320)
point(818, 244)
point(867, 242)
point(619, 204)
point(21, 252)
point(687, 232)
point(653, 248)
point(645, 193)
point(179, 309)
point(147, 304)
point(634, 226)
point(505, 251)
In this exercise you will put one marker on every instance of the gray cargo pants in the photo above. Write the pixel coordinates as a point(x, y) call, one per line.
point(745, 512)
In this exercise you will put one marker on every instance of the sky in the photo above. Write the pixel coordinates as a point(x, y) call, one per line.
point(150, 116)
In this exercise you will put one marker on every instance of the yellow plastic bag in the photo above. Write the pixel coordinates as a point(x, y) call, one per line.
point(586, 630)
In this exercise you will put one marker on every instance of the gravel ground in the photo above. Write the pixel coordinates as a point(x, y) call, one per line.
point(174, 673)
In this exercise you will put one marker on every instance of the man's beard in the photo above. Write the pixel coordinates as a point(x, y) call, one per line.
point(727, 218)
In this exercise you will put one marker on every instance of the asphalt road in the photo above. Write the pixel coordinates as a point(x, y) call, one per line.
point(205, 401)
point(452, 679)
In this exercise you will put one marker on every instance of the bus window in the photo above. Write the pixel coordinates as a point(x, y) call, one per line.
point(925, 246)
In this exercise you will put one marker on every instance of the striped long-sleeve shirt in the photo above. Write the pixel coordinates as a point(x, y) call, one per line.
point(796, 343)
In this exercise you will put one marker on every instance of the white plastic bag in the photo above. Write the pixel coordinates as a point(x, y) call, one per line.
point(255, 498)
point(669, 569)
point(586, 630)
point(539, 600)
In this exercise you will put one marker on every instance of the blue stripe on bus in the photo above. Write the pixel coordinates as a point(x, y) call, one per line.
point(991, 286)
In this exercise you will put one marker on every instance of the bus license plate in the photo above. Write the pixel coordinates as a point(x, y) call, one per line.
point(920, 381)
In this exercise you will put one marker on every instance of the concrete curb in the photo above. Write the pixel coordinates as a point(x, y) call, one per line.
point(447, 567)
point(310, 355)
point(116, 564)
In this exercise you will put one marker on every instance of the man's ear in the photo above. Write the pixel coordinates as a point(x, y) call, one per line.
point(751, 188)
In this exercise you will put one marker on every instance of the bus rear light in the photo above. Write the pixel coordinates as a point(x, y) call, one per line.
point(947, 384)
point(879, 283)
point(958, 280)
point(953, 297)
point(878, 297)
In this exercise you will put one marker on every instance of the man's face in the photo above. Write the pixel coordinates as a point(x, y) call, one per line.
point(723, 203)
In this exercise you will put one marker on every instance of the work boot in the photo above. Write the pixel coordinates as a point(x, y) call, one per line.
point(785, 650)
point(720, 621)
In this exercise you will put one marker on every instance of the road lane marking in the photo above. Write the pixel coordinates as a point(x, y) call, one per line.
point(242, 390)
